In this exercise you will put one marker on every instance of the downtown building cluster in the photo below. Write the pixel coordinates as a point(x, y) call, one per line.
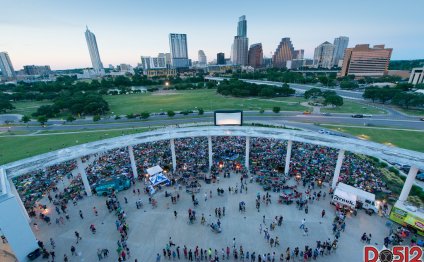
point(360, 60)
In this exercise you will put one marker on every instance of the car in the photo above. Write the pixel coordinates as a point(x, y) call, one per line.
point(422, 118)
point(420, 176)
point(358, 116)
point(307, 112)
point(367, 115)
point(326, 114)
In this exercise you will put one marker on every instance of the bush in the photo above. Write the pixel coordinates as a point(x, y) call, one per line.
point(394, 170)
point(70, 118)
point(201, 111)
point(96, 118)
point(117, 117)
point(170, 113)
point(276, 109)
point(130, 116)
point(261, 111)
point(145, 115)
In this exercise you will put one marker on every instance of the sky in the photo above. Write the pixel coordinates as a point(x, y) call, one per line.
point(51, 32)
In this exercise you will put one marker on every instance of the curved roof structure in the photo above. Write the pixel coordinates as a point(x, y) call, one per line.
point(393, 154)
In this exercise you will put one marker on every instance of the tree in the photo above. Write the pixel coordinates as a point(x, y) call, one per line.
point(25, 119)
point(130, 116)
point(201, 111)
point(5, 105)
point(345, 84)
point(312, 93)
point(371, 93)
point(42, 120)
point(334, 100)
point(170, 113)
point(267, 92)
point(145, 115)
point(419, 86)
point(276, 109)
point(70, 118)
point(47, 110)
point(96, 118)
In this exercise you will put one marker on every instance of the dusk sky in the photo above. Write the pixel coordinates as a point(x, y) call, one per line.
point(47, 32)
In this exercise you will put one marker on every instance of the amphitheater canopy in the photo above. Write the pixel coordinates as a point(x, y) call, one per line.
point(393, 154)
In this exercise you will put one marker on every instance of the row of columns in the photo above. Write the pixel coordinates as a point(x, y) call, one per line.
point(403, 196)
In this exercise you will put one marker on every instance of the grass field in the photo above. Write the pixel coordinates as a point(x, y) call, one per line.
point(184, 100)
point(412, 112)
point(354, 108)
point(412, 140)
point(27, 107)
point(13, 147)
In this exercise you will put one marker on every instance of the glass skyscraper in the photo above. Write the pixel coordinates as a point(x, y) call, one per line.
point(6, 67)
point(179, 54)
point(94, 52)
point(340, 45)
point(242, 26)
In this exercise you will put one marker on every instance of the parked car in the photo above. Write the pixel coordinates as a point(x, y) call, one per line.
point(422, 118)
point(326, 114)
point(307, 112)
point(420, 176)
point(358, 116)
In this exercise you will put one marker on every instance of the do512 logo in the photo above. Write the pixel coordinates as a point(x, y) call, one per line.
point(397, 254)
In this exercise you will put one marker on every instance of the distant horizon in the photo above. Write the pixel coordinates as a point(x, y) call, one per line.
point(43, 34)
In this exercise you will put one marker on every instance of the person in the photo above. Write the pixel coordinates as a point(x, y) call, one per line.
point(52, 243)
point(302, 225)
point(77, 235)
point(73, 251)
point(80, 214)
point(65, 258)
point(322, 213)
point(157, 257)
point(175, 213)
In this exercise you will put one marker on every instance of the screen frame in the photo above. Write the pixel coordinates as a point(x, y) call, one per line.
point(230, 112)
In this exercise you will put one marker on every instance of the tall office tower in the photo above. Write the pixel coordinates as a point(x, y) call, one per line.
point(283, 53)
point(202, 57)
point(94, 52)
point(6, 67)
point(240, 50)
point(256, 55)
point(240, 46)
point(242, 26)
point(167, 57)
point(365, 61)
point(220, 59)
point(340, 44)
point(37, 70)
point(179, 54)
point(299, 54)
point(323, 55)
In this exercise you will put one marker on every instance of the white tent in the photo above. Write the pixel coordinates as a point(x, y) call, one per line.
point(154, 170)
point(156, 176)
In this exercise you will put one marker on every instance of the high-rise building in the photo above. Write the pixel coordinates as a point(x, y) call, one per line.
point(220, 59)
point(340, 44)
point(256, 55)
point(323, 55)
point(179, 54)
point(167, 57)
point(202, 58)
point(240, 47)
point(283, 53)
point(37, 70)
point(94, 52)
point(362, 60)
point(240, 50)
point(299, 54)
point(148, 62)
point(6, 67)
point(417, 76)
point(242, 26)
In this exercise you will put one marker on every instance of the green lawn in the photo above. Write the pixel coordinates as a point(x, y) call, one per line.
point(353, 108)
point(412, 140)
point(27, 107)
point(14, 147)
point(412, 112)
point(207, 99)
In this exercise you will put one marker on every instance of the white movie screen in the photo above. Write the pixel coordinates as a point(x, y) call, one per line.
point(228, 118)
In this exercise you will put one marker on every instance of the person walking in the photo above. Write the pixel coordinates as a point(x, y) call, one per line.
point(80, 214)
point(302, 225)
point(322, 213)
point(175, 213)
point(77, 235)
point(73, 251)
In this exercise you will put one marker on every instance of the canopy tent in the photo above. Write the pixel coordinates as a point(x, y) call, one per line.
point(344, 198)
point(156, 176)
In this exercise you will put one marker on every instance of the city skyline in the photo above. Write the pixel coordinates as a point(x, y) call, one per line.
point(124, 35)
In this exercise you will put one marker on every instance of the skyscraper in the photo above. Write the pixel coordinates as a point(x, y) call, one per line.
point(299, 54)
point(94, 52)
point(220, 59)
point(202, 58)
point(240, 46)
point(6, 67)
point(148, 62)
point(167, 57)
point(365, 61)
point(179, 54)
point(242, 26)
point(256, 55)
point(283, 53)
point(340, 44)
point(323, 55)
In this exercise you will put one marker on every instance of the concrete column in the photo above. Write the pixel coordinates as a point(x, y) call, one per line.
point(81, 171)
point(133, 164)
point(174, 158)
point(338, 167)
point(408, 183)
point(210, 151)
point(19, 200)
point(246, 161)
point(16, 228)
point(288, 157)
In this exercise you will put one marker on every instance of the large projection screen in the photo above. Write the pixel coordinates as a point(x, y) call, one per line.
point(228, 118)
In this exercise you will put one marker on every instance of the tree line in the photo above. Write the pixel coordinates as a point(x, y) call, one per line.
point(239, 88)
